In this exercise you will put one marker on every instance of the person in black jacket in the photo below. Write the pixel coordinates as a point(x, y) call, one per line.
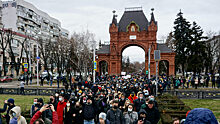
point(10, 106)
point(3, 110)
point(153, 114)
point(114, 115)
point(77, 113)
point(142, 118)
point(89, 111)
point(138, 102)
point(68, 113)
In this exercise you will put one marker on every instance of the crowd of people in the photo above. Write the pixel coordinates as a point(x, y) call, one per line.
point(111, 100)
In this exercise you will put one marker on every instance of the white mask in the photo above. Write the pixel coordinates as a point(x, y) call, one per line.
point(60, 99)
point(129, 109)
point(68, 104)
point(35, 103)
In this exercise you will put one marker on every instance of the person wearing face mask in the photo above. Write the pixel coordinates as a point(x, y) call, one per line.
point(57, 96)
point(10, 106)
point(138, 102)
point(32, 107)
point(153, 114)
point(114, 115)
point(130, 116)
point(15, 116)
point(53, 101)
point(89, 111)
point(142, 118)
point(68, 113)
point(60, 107)
point(77, 114)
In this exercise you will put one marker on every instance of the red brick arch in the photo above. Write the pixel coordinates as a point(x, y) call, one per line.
point(122, 36)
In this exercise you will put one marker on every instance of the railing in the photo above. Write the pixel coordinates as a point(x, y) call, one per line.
point(195, 94)
point(187, 94)
point(27, 91)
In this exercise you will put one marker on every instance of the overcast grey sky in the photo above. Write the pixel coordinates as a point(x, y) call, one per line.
point(96, 15)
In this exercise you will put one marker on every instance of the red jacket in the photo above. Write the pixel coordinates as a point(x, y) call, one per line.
point(132, 98)
point(60, 108)
point(38, 114)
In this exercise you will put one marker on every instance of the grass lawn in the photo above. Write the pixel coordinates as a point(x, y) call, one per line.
point(213, 105)
point(24, 102)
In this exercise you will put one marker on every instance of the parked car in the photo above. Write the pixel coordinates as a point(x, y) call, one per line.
point(6, 79)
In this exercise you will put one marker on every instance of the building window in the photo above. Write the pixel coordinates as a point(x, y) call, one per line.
point(132, 28)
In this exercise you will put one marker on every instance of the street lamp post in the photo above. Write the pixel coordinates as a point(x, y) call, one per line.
point(37, 66)
point(94, 43)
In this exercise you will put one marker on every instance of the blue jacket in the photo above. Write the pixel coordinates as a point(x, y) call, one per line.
point(201, 116)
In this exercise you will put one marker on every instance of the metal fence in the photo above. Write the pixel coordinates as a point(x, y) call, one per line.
point(182, 94)
point(27, 91)
point(195, 94)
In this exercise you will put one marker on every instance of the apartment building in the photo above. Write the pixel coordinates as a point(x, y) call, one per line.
point(25, 20)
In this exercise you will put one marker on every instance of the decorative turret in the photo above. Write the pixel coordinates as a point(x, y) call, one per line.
point(114, 20)
point(152, 23)
point(114, 25)
point(152, 17)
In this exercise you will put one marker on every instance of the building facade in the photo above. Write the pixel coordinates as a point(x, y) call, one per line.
point(134, 29)
point(26, 22)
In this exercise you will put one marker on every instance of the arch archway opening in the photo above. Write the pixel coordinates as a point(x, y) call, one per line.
point(103, 67)
point(163, 67)
point(133, 60)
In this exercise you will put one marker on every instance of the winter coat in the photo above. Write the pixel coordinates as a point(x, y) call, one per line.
point(137, 103)
point(38, 114)
point(145, 120)
point(89, 111)
point(60, 108)
point(200, 116)
point(68, 115)
point(132, 98)
point(115, 117)
point(20, 119)
point(153, 115)
point(78, 119)
point(7, 115)
point(130, 117)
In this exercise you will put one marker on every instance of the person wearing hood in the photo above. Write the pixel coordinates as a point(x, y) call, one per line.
point(10, 106)
point(15, 116)
point(200, 116)
point(142, 118)
point(153, 114)
point(3, 110)
point(130, 116)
